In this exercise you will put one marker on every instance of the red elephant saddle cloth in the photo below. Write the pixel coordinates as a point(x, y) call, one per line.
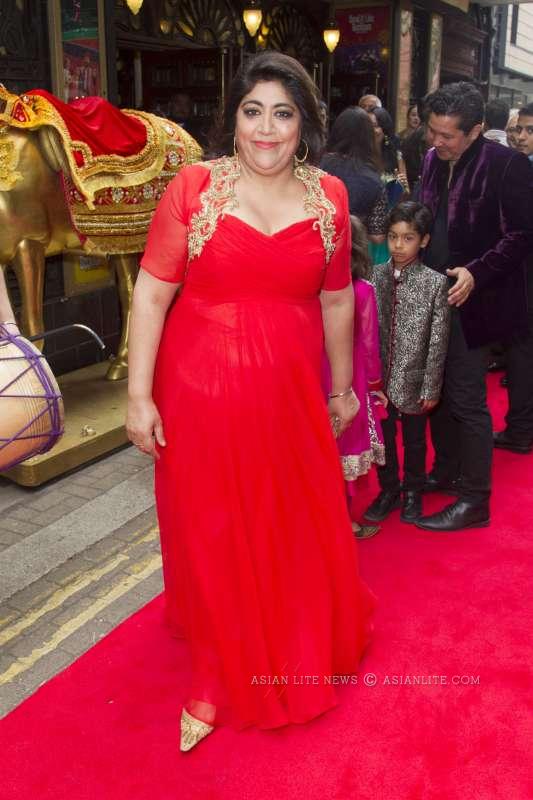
point(115, 164)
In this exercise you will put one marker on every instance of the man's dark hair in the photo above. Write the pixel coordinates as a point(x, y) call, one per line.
point(460, 100)
point(526, 111)
point(352, 136)
point(496, 114)
point(415, 214)
point(272, 66)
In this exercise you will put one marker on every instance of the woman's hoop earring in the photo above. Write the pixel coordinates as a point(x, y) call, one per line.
point(299, 161)
point(235, 151)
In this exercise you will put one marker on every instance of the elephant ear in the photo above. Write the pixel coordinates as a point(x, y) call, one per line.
point(52, 148)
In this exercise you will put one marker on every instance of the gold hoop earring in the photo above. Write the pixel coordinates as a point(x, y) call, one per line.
point(235, 151)
point(300, 161)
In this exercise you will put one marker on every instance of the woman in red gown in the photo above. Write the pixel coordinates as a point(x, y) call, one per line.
point(259, 560)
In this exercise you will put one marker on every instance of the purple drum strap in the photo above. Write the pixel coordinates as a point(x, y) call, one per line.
point(35, 363)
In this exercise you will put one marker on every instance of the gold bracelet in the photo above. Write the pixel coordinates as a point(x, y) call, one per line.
point(341, 394)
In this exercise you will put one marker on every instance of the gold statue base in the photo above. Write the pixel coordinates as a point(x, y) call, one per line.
point(95, 410)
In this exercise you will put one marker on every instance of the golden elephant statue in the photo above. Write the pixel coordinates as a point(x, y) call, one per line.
point(82, 176)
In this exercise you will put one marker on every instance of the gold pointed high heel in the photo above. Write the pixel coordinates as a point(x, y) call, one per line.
point(192, 731)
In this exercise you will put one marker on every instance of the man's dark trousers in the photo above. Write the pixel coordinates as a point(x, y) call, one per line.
point(414, 445)
point(461, 426)
point(519, 358)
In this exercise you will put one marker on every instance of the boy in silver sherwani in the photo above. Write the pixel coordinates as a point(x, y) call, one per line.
point(414, 321)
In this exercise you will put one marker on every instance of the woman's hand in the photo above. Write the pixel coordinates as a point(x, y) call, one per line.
point(381, 398)
point(144, 426)
point(342, 412)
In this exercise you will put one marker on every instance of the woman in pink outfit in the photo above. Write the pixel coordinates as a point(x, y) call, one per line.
point(361, 444)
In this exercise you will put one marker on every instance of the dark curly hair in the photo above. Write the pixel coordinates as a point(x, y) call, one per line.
point(272, 66)
point(460, 100)
point(415, 214)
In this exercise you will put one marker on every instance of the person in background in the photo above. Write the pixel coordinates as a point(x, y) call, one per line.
point(324, 116)
point(518, 433)
point(413, 123)
point(181, 111)
point(351, 155)
point(369, 101)
point(496, 119)
point(361, 445)
point(481, 195)
point(510, 128)
point(391, 168)
point(414, 320)
point(414, 148)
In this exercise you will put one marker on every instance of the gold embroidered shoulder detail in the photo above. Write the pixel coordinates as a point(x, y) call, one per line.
point(217, 198)
point(318, 204)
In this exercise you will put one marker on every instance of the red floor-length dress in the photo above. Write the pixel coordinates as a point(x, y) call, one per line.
point(260, 563)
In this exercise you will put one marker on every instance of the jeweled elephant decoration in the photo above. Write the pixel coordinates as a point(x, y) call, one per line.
point(82, 176)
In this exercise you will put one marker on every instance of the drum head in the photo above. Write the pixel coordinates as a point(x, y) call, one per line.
point(31, 406)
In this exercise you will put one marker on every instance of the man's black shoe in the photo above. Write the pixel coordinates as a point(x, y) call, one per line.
point(444, 485)
point(506, 442)
point(384, 503)
point(411, 506)
point(456, 517)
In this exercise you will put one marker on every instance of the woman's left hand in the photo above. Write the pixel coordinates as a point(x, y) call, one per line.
point(342, 412)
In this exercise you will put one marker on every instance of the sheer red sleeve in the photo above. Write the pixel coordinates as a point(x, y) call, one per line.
point(338, 271)
point(166, 256)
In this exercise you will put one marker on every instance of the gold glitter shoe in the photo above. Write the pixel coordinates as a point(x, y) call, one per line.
point(364, 531)
point(192, 731)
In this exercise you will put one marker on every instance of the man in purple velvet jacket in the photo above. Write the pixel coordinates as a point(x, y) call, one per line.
point(481, 196)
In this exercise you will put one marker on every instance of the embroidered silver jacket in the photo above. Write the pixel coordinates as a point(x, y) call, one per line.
point(414, 324)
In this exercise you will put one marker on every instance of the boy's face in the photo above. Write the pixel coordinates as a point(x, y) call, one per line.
point(404, 243)
point(524, 134)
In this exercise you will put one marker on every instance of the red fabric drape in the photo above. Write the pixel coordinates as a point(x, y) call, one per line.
point(101, 126)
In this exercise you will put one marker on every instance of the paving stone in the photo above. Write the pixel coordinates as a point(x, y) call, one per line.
point(80, 490)
point(107, 547)
point(34, 595)
point(24, 645)
point(23, 513)
point(7, 538)
point(72, 610)
point(109, 481)
point(47, 501)
point(86, 637)
point(64, 574)
point(12, 525)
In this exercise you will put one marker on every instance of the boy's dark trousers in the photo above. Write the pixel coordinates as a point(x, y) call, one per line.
point(414, 447)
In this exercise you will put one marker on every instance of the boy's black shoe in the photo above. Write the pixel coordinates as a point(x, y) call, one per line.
point(411, 506)
point(384, 503)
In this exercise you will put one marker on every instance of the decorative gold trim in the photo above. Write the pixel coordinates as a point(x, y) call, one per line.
point(317, 203)
point(8, 164)
point(219, 198)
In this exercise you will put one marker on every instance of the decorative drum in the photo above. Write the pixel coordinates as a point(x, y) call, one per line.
point(31, 406)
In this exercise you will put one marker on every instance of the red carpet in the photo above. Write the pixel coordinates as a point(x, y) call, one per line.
point(449, 605)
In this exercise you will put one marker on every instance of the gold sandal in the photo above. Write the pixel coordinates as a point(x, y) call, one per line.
point(192, 731)
point(365, 531)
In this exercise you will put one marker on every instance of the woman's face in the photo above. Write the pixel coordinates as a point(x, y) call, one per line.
point(267, 130)
point(413, 120)
point(378, 130)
